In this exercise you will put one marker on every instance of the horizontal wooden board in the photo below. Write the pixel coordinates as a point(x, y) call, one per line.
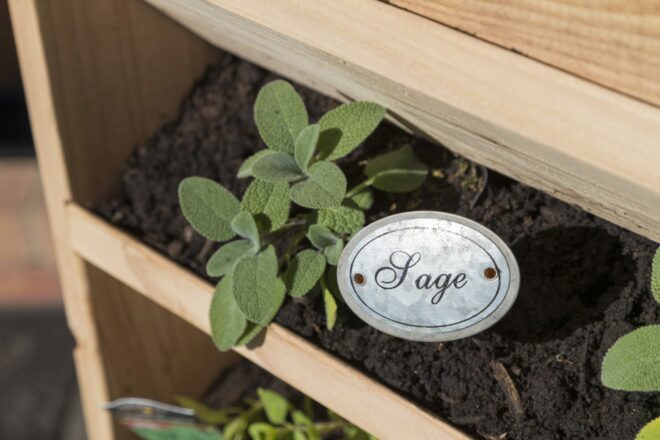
point(615, 43)
point(571, 138)
point(316, 373)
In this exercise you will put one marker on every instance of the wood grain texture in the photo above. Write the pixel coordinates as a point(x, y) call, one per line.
point(615, 43)
point(571, 138)
point(99, 76)
point(316, 373)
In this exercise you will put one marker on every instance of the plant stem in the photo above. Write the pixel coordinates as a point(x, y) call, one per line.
point(356, 189)
point(292, 247)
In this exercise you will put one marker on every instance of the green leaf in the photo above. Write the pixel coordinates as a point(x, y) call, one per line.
point(330, 306)
point(277, 167)
point(303, 272)
point(262, 431)
point(205, 414)
point(347, 126)
point(324, 188)
point(305, 146)
point(227, 321)
point(275, 405)
point(342, 219)
point(397, 171)
point(280, 115)
point(245, 226)
point(633, 362)
point(321, 237)
point(257, 290)
point(332, 253)
point(650, 431)
point(300, 435)
point(224, 259)
point(208, 207)
point(655, 275)
point(251, 332)
point(269, 203)
point(301, 419)
point(246, 168)
point(362, 200)
point(234, 429)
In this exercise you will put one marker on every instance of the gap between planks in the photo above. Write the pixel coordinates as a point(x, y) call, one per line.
point(333, 383)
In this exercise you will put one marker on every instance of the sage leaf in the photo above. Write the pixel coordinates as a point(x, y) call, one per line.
point(342, 219)
point(305, 146)
point(655, 275)
point(333, 252)
point(330, 306)
point(275, 405)
point(235, 429)
point(347, 126)
point(257, 290)
point(631, 364)
point(227, 321)
point(362, 200)
point(325, 187)
point(269, 203)
point(303, 272)
point(276, 167)
point(245, 226)
point(224, 259)
point(397, 171)
point(208, 207)
point(280, 115)
point(321, 237)
point(650, 431)
point(262, 431)
point(245, 169)
point(251, 332)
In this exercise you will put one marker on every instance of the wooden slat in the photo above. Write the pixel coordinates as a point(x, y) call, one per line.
point(99, 76)
point(566, 136)
point(615, 43)
point(331, 382)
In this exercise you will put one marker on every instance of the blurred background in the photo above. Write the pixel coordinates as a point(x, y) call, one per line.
point(38, 391)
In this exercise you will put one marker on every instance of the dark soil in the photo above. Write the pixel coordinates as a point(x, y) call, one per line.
point(584, 281)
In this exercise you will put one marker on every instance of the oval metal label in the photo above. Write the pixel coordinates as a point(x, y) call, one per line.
point(428, 276)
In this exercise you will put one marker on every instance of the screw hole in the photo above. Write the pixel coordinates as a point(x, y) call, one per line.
point(359, 279)
point(490, 273)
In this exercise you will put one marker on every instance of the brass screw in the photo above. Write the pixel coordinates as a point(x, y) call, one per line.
point(490, 273)
point(359, 279)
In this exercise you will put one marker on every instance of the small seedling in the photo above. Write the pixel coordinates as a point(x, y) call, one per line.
point(633, 362)
point(273, 417)
point(297, 167)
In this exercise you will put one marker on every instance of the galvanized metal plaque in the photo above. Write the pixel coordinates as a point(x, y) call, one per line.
point(428, 276)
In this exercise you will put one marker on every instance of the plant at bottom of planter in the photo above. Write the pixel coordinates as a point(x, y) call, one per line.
point(633, 362)
point(296, 167)
point(273, 417)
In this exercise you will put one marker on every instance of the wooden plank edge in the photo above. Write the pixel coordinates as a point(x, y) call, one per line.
point(326, 379)
point(576, 140)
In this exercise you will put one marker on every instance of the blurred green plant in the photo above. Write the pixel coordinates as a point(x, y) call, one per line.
point(296, 167)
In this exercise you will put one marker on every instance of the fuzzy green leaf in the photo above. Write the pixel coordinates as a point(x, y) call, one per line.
point(224, 259)
point(347, 126)
point(257, 290)
point(632, 363)
point(246, 168)
point(342, 219)
point(305, 146)
point(269, 203)
point(655, 275)
point(275, 405)
point(227, 321)
point(333, 252)
point(303, 272)
point(321, 237)
point(208, 207)
point(262, 431)
point(397, 171)
point(245, 226)
point(251, 332)
point(280, 115)
point(362, 200)
point(325, 187)
point(330, 306)
point(277, 167)
point(650, 431)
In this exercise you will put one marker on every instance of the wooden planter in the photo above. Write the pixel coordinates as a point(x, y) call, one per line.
point(102, 75)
